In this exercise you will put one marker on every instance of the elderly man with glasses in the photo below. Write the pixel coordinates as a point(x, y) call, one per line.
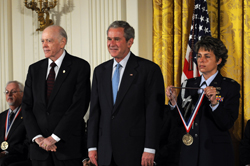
point(13, 142)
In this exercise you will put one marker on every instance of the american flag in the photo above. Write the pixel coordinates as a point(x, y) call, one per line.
point(200, 27)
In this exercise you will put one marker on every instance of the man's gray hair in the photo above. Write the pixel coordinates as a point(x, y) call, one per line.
point(62, 32)
point(20, 85)
point(129, 31)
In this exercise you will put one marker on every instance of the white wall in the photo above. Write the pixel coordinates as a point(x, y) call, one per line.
point(85, 22)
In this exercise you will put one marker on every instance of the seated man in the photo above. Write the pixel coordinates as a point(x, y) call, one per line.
point(13, 142)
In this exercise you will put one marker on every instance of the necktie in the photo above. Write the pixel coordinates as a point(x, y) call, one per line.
point(11, 117)
point(203, 85)
point(50, 80)
point(115, 81)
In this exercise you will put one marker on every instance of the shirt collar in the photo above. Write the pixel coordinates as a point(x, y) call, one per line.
point(123, 62)
point(209, 80)
point(15, 110)
point(58, 62)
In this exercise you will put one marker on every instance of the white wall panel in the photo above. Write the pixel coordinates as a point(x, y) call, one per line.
point(85, 22)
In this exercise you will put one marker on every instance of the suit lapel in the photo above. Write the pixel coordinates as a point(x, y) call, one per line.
point(217, 80)
point(107, 83)
point(128, 76)
point(2, 130)
point(62, 74)
point(16, 123)
point(42, 80)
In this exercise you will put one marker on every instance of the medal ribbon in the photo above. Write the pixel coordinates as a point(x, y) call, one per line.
point(7, 128)
point(188, 124)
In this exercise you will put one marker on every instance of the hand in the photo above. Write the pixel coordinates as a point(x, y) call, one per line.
point(93, 157)
point(87, 163)
point(147, 159)
point(211, 92)
point(171, 94)
point(48, 144)
point(39, 140)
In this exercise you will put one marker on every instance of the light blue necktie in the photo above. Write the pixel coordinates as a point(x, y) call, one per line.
point(115, 81)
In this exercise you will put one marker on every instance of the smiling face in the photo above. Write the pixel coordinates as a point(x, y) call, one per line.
point(207, 62)
point(117, 45)
point(14, 96)
point(53, 44)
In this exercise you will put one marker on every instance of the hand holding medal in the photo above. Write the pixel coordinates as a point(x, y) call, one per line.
point(171, 94)
point(187, 139)
point(211, 93)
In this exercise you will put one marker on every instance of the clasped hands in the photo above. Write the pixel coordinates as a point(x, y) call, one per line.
point(209, 91)
point(47, 144)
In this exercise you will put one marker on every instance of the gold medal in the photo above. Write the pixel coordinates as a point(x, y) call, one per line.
point(4, 145)
point(187, 139)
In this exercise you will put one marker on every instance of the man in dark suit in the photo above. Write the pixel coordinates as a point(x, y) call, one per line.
point(123, 127)
point(56, 97)
point(209, 141)
point(13, 140)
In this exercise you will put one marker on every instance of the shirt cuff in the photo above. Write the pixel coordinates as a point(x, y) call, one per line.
point(33, 140)
point(92, 149)
point(214, 107)
point(55, 137)
point(149, 150)
point(171, 106)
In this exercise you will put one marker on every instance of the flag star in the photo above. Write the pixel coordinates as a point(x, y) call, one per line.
point(190, 37)
point(206, 30)
point(202, 18)
point(197, 6)
point(200, 27)
point(207, 20)
point(195, 16)
point(192, 26)
point(203, 9)
point(199, 38)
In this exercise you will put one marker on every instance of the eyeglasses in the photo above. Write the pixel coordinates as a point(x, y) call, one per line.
point(11, 92)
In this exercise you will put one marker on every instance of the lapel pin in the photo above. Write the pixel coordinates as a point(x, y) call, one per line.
point(64, 71)
point(21, 117)
point(215, 82)
point(131, 74)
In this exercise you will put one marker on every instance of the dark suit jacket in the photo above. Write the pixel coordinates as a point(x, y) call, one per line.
point(245, 146)
point(212, 141)
point(17, 140)
point(124, 129)
point(170, 140)
point(63, 114)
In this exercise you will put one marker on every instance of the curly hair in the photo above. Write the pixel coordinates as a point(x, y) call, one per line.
point(215, 45)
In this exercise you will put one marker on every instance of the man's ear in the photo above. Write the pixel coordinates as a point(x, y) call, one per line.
point(130, 42)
